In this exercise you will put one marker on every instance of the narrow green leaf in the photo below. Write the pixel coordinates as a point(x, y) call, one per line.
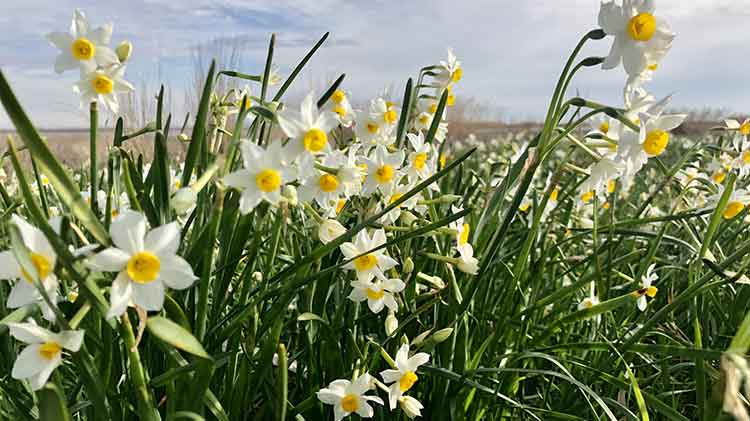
point(175, 335)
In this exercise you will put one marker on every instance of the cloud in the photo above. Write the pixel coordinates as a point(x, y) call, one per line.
point(512, 51)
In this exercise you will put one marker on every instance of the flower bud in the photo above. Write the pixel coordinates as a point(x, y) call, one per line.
point(421, 337)
point(391, 323)
point(257, 277)
point(289, 193)
point(184, 138)
point(441, 335)
point(329, 230)
point(408, 265)
point(183, 200)
point(123, 50)
point(411, 407)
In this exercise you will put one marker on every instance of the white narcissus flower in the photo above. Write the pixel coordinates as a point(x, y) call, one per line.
point(370, 265)
point(588, 302)
point(370, 130)
point(349, 397)
point(382, 171)
point(147, 263)
point(403, 377)
point(467, 263)
point(43, 258)
point(647, 289)
point(384, 111)
point(320, 186)
point(450, 70)
point(412, 203)
point(329, 230)
point(602, 178)
point(735, 205)
point(83, 47)
point(38, 360)
point(378, 293)
point(307, 129)
point(340, 106)
point(265, 172)
point(463, 229)
point(422, 163)
point(641, 38)
point(103, 85)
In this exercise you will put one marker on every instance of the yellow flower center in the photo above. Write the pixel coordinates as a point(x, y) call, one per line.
point(554, 194)
point(655, 143)
point(372, 128)
point(719, 176)
point(419, 160)
point(457, 74)
point(586, 197)
point(424, 119)
point(375, 295)
point(745, 128)
point(83, 49)
point(611, 184)
point(49, 350)
point(604, 127)
point(341, 111)
point(653, 67)
point(443, 160)
point(451, 101)
point(733, 209)
point(340, 205)
point(605, 205)
point(384, 174)
point(328, 183)
point(42, 266)
point(464, 237)
point(642, 27)
point(102, 85)
point(587, 303)
point(366, 262)
point(407, 381)
point(315, 140)
point(651, 291)
point(338, 96)
point(524, 207)
point(350, 403)
point(268, 180)
point(433, 108)
point(746, 157)
point(144, 267)
point(390, 116)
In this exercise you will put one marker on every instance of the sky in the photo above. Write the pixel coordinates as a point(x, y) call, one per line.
point(512, 51)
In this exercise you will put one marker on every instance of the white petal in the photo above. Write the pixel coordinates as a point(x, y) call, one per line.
point(9, 268)
point(390, 376)
point(101, 35)
point(329, 397)
point(61, 40)
point(119, 295)
point(38, 381)
point(33, 237)
point(108, 260)
point(394, 393)
point(615, 55)
point(164, 240)
point(376, 306)
point(240, 179)
point(65, 61)
point(365, 410)
point(128, 232)
point(418, 359)
point(149, 296)
point(249, 200)
point(289, 123)
point(22, 294)
point(670, 122)
point(28, 362)
point(104, 56)
point(402, 357)
point(30, 333)
point(71, 339)
point(634, 60)
point(176, 273)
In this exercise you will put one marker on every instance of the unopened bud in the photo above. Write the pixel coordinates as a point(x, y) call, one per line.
point(408, 265)
point(391, 323)
point(411, 407)
point(183, 200)
point(289, 193)
point(257, 277)
point(123, 50)
point(421, 337)
point(329, 230)
point(441, 335)
point(184, 138)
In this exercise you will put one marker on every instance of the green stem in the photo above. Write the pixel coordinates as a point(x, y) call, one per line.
point(93, 171)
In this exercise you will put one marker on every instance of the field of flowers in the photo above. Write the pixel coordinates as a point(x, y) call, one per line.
point(313, 260)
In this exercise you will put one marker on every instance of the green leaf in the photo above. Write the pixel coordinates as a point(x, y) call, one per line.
point(52, 405)
point(175, 335)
